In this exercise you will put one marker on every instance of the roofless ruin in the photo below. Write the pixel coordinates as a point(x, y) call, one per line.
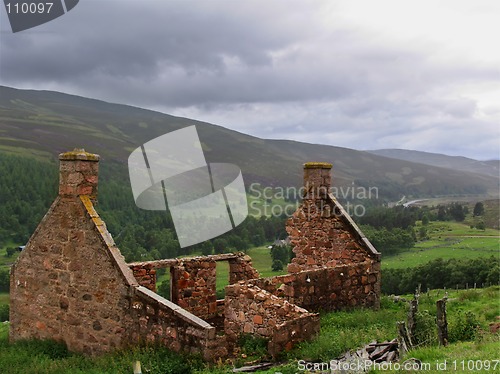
point(72, 284)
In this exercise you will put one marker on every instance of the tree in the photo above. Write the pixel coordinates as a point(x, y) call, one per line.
point(10, 251)
point(456, 210)
point(425, 220)
point(481, 226)
point(220, 245)
point(277, 265)
point(207, 248)
point(422, 233)
point(281, 253)
point(478, 209)
point(4, 280)
point(441, 216)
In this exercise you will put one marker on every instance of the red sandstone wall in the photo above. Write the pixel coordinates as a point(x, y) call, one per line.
point(194, 287)
point(159, 321)
point(194, 279)
point(340, 287)
point(321, 232)
point(321, 238)
point(145, 274)
point(252, 310)
point(241, 268)
point(66, 287)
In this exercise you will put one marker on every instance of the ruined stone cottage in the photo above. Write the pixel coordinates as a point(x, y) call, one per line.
point(72, 284)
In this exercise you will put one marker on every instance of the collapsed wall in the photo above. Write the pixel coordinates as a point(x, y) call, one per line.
point(249, 309)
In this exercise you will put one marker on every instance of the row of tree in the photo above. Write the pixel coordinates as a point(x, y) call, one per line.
point(441, 273)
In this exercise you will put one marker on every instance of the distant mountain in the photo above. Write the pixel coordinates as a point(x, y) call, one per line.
point(43, 123)
point(491, 168)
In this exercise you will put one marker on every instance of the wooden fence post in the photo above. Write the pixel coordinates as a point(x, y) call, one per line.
point(412, 313)
point(404, 340)
point(442, 323)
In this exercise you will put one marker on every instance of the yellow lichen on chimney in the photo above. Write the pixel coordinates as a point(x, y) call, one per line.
point(79, 154)
point(317, 165)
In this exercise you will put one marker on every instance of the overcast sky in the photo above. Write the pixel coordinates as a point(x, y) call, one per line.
point(419, 74)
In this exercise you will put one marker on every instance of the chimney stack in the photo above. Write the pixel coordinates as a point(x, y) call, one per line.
point(317, 180)
point(78, 174)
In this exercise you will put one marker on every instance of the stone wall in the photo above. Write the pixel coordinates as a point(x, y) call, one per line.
point(145, 274)
point(194, 288)
point(71, 283)
point(321, 237)
point(336, 288)
point(193, 279)
point(241, 268)
point(66, 286)
point(249, 309)
point(321, 233)
point(159, 321)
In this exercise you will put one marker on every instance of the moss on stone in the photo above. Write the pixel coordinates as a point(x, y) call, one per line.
point(79, 154)
point(317, 165)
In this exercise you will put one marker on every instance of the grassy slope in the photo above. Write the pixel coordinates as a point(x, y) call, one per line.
point(340, 332)
point(447, 240)
point(41, 123)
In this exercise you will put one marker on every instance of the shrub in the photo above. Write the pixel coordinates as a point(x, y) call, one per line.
point(10, 251)
point(277, 265)
point(463, 327)
point(164, 289)
point(4, 281)
point(4, 313)
point(253, 345)
point(425, 329)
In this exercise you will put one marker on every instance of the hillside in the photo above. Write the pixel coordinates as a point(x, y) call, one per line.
point(491, 167)
point(44, 123)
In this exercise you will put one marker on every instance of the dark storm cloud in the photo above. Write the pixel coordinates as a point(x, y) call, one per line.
point(274, 68)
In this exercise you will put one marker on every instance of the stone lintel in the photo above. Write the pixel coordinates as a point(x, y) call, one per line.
point(159, 264)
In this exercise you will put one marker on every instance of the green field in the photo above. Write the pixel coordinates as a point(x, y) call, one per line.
point(261, 260)
point(340, 332)
point(7, 261)
point(447, 240)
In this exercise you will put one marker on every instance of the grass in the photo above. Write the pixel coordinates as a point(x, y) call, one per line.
point(50, 357)
point(349, 330)
point(447, 240)
point(261, 260)
point(222, 273)
point(340, 332)
point(7, 261)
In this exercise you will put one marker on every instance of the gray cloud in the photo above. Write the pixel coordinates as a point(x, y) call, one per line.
point(279, 69)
